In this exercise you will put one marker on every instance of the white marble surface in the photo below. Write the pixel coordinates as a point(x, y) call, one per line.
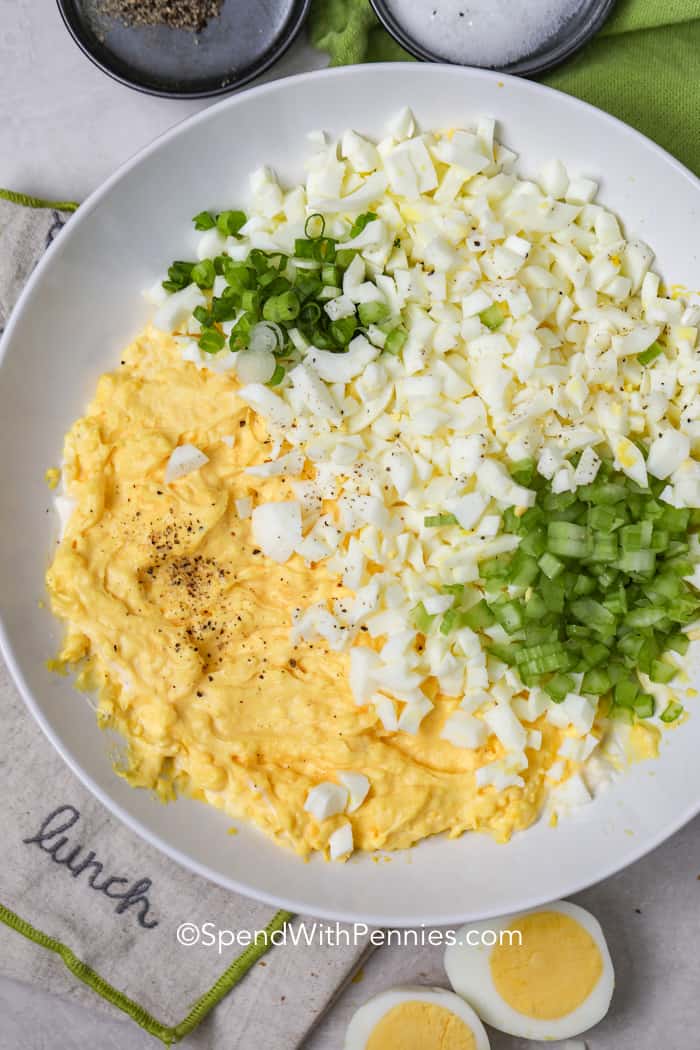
point(64, 127)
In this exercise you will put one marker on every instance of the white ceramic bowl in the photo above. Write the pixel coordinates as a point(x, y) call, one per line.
point(84, 302)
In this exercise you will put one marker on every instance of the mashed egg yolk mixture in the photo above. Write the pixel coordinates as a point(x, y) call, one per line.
point(183, 626)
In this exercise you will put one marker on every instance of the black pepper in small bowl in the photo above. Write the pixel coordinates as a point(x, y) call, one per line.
point(183, 48)
point(178, 14)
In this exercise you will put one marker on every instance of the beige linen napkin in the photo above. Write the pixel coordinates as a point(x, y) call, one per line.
point(111, 904)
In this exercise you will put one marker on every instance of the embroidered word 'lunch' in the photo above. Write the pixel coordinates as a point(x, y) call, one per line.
point(50, 839)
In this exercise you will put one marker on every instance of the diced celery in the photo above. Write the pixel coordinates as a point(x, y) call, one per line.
point(480, 615)
point(672, 712)
point(422, 619)
point(550, 565)
point(558, 686)
point(662, 672)
point(644, 706)
point(596, 681)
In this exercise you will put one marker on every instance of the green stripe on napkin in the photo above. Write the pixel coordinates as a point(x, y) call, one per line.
point(167, 1035)
point(36, 202)
point(643, 67)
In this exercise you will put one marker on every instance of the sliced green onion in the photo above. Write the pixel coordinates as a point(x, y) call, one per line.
point(315, 226)
point(309, 313)
point(343, 330)
point(344, 256)
point(223, 309)
point(211, 340)
point(324, 249)
point(284, 307)
point(204, 274)
point(230, 222)
point(304, 248)
point(240, 333)
point(277, 376)
point(360, 222)
point(649, 355)
point(330, 274)
point(179, 276)
point(204, 220)
point(330, 291)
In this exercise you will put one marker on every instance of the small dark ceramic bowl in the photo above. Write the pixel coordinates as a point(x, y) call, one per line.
point(571, 35)
point(232, 49)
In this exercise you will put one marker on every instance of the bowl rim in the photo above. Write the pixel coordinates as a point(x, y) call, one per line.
point(337, 913)
point(75, 27)
point(524, 67)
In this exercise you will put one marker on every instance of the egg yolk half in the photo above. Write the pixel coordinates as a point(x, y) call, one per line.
point(416, 1025)
point(550, 969)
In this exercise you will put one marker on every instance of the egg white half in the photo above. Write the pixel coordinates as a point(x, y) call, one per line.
point(366, 1019)
point(469, 971)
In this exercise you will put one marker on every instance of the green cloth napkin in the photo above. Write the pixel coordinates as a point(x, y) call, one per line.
point(643, 66)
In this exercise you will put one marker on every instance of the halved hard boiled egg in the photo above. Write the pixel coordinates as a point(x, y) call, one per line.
point(547, 974)
point(416, 1018)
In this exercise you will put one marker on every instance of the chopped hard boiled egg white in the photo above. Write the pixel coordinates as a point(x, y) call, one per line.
point(544, 974)
point(483, 320)
point(184, 459)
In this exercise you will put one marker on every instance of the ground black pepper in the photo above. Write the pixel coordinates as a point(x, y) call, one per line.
point(178, 14)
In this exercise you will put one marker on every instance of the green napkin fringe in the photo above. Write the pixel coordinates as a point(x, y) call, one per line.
point(36, 202)
point(167, 1034)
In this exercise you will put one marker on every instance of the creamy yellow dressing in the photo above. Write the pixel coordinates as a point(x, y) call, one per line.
point(183, 627)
